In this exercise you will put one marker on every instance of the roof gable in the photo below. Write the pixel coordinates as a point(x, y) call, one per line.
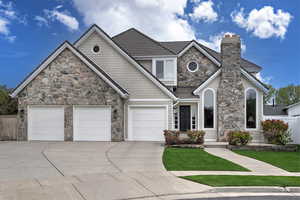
point(246, 74)
point(83, 58)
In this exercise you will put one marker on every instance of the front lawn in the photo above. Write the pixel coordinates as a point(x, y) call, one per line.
point(289, 161)
point(188, 159)
point(239, 180)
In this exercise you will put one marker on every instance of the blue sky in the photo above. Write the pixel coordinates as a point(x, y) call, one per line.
point(31, 30)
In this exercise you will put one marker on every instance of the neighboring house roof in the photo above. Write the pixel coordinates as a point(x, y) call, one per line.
point(275, 110)
point(293, 105)
point(83, 58)
point(127, 55)
point(138, 44)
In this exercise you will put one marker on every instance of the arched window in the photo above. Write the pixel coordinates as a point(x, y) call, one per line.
point(209, 108)
point(251, 102)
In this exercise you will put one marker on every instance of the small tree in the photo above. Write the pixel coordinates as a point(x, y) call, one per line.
point(8, 105)
point(276, 132)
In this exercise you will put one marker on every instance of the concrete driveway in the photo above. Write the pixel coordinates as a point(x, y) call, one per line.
point(87, 170)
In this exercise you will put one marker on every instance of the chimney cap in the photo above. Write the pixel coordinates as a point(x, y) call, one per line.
point(231, 38)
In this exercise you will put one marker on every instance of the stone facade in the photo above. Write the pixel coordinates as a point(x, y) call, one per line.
point(230, 95)
point(68, 81)
point(191, 79)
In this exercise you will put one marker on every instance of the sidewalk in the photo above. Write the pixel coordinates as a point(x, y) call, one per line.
point(253, 165)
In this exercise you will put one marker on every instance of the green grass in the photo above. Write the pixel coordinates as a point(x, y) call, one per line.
point(188, 159)
point(289, 161)
point(236, 180)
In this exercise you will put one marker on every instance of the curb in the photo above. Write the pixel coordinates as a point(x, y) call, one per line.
point(256, 189)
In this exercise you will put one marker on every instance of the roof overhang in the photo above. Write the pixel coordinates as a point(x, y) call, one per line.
point(197, 46)
point(246, 74)
point(108, 39)
point(290, 106)
point(48, 60)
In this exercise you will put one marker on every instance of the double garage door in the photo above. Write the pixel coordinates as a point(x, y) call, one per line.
point(90, 123)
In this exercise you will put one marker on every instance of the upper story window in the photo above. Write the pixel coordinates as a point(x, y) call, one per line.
point(251, 101)
point(96, 49)
point(193, 66)
point(164, 69)
point(208, 108)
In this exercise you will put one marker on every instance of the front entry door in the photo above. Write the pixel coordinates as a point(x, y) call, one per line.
point(185, 118)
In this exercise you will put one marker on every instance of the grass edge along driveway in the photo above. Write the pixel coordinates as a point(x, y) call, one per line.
point(195, 159)
point(289, 161)
point(245, 180)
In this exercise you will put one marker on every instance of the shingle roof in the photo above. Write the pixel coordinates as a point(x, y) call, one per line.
point(138, 44)
point(275, 110)
point(185, 92)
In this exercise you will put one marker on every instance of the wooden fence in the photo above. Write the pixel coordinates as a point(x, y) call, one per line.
point(8, 127)
point(294, 126)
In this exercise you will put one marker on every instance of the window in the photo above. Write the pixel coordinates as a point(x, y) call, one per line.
point(192, 66)
point(164, 69)
point(96, 49)
point(209, 108)
point(251, 108)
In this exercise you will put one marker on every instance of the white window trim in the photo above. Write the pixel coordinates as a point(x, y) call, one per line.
point(187, 66)
point(96, 53)
point(256, 107)
point(164, 60)
point(214, 93)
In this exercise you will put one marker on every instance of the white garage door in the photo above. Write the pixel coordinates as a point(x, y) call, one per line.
point(147, 123)
point(92, 123)
point(46, 123)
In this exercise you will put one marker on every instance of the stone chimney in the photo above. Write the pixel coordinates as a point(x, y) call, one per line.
point(230, 95)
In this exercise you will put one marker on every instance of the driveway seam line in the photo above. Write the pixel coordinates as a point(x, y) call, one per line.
point(76, 189)
point(53, 165)
point(109, 160)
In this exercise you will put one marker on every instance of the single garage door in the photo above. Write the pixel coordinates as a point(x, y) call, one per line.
point(46, 123)
point(147, 123)
point(92, 123)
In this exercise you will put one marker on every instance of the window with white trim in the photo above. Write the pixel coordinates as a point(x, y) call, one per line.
point(164, 69)
point(209, 108)
point(251, 108)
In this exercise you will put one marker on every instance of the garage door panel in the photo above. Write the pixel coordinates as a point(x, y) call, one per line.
point(46, 123)
point(147, 123)
point(92, 123)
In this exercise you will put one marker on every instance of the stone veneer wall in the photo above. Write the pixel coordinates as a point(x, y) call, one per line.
point(187, 78)
point(68, 81)
point(230, 95)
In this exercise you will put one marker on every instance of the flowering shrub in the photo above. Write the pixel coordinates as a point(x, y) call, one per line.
point(276, 131)
point(239, 137)
point(189, 137)
point(196, 137)
point(171, 137)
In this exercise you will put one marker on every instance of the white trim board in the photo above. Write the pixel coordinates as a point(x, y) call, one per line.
point(210, 79)
point(64, 46)
point(197, 46)
point(95, 28)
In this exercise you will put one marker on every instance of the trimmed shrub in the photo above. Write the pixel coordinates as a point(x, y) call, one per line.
point(171, 137)
point(239, 138)
point(196, 137)
point(276, 132)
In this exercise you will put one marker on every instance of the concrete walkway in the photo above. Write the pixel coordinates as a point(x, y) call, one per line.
point(253, 165)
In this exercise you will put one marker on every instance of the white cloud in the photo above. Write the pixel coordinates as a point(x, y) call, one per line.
point(4, 26)
point(265, 80)
point(63, 17)
point(160, 19)
point(214, 41)
point(41, 21)
point(204, 11)
point(264, 23)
